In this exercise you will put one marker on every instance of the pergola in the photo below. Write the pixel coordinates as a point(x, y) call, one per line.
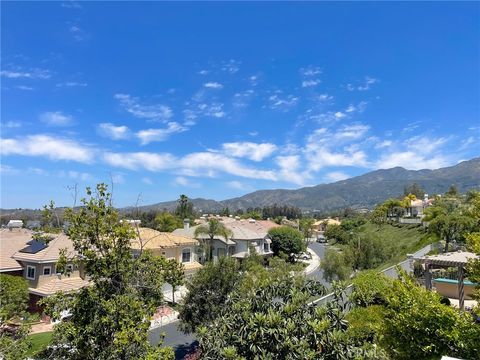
point(457, 259)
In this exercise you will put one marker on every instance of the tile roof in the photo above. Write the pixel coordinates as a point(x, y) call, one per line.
point(50, 253)
point(10, 243)
point(153, 239)
point(64, 284)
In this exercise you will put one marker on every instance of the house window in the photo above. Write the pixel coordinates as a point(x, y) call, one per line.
point(266, 247)
point(186, 255)
point(47, 270)
point(164, 253)
point(31, 272)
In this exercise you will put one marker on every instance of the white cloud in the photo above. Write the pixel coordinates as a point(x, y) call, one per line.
point(290, 169)
point(310, 71)
point(310, 83)
point(237, 185)
point(411, 160)
point(325, 97)
point(156, 112)
point(78, 33)
point(71, 5)
point(351, 132)
point(114, 132)
point(203, 72)
point(249, 150)
point(12, 124)
point(384, 144)
point(24, 87)
point(49, 147)
point(147, 180)
point(183, 181)
point(369, 81)
point(231, 66)
point(140, 160)
point(34, 73)
point(82, 176)
point(339, 115)
point(282, 103)
point(335, 176)
point(213, 85)
point(56, 118)
point(149, 135)
point(71, 84)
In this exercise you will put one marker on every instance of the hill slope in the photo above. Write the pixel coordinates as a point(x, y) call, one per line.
point(357, 192)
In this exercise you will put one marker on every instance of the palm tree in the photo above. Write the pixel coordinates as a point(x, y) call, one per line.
point(212, 229)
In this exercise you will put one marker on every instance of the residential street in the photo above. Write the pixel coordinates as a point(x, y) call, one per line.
point(175, 338)
point(317, 274)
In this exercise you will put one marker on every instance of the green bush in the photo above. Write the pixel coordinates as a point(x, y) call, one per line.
point(370, 288)
point(366, 323)
point(287, 240)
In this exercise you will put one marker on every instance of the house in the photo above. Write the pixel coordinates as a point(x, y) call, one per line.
point(246, 235)
point(22, 255)
point(171, 246)
point(320, 226)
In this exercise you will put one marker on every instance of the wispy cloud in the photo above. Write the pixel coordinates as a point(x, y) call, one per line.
point(290, 169)
point(50, 147)
point(237, 185)
point(310, 71)
point(249, 150)
point(155, 112)
point(71, 84)
point(11, 124)
point(335, 176)
point(365, 85)
point(33, 73)
point(150, 135)
point(310, 83)
point(282, 102)
point(213, 85)
point(114, 132)
point(56, 118)
point(24, 87)
point(184, 181)
point(231, 66)
point(71, 5)
point(77, 32)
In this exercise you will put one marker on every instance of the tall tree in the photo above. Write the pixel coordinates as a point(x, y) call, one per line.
point(174, 274)
point(414, 189)
point(111, 317)
point(451, 227)
point(184, 208)
point(306, 227)
point(214, 228)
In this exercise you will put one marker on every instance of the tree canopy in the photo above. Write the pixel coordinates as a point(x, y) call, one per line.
point(286, 240)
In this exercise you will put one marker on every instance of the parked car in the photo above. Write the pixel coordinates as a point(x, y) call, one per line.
point(305, 256)
point(321, 239)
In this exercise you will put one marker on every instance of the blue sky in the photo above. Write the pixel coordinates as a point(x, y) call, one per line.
point(216, 99)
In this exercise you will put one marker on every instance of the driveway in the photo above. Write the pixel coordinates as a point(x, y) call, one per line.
point(180, 342)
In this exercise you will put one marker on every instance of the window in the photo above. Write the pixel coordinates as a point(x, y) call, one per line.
point(47, 270)
point(31, 272)
point(69, 268)
point(186, 255)
point(164, 253)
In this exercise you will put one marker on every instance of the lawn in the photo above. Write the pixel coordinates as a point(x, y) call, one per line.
point(39, 342)
point(405, 239)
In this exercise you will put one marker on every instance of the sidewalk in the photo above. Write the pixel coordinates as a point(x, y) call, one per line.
point(312, 264)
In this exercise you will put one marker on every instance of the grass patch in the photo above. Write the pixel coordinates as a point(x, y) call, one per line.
point(40, 342)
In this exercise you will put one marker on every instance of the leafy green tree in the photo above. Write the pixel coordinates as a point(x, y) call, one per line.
point(184, 208)
point(14, 296)
point(167, 222)
point(286, 240)
point(379, 215)
point(14, 301)
point(214, 228)
point(272, 318)
point(306, 227)
point(452, 191)
point(208, 291)
point(451, 227)
point(337, 233)
point(414, 189)
point(111, 317)
point(173, 274)
point(419, 326)
point(370, 288)
point(336, 266)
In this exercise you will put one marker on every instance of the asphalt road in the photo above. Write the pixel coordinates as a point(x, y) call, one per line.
point(183, 343)
point(180, 342)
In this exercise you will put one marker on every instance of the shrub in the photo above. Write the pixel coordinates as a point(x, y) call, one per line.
point(370, 288)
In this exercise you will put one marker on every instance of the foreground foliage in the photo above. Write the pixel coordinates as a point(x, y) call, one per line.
point(110, 318)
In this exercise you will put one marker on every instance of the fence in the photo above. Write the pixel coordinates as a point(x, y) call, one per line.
point(390, 272)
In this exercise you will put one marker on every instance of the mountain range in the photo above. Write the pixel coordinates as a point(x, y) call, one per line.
point(364, 191)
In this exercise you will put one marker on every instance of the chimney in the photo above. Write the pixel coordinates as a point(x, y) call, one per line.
point(186, 224)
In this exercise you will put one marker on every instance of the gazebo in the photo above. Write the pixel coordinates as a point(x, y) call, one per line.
point(457, 259)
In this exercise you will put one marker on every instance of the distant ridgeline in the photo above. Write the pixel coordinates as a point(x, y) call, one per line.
point(363, 191)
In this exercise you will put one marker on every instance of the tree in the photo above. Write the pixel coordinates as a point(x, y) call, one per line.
point(337, 233)
point(111, 317)
point(452, 191)
point(451, 227)
point(270, 317)
point(335, 266)
point(306, 227)
point(173, 274)
point(14, 296)
point(184, 208)
point(370, 288)
point(208, 290)
point(414, 189)
point(167, 222)
point(379, 215)
point(286, 240)
point(419, 326)
point(213, 228)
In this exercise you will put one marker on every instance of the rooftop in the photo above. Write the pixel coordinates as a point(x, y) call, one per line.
point(458, 258)
point(153, 239)
point(64, 284)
